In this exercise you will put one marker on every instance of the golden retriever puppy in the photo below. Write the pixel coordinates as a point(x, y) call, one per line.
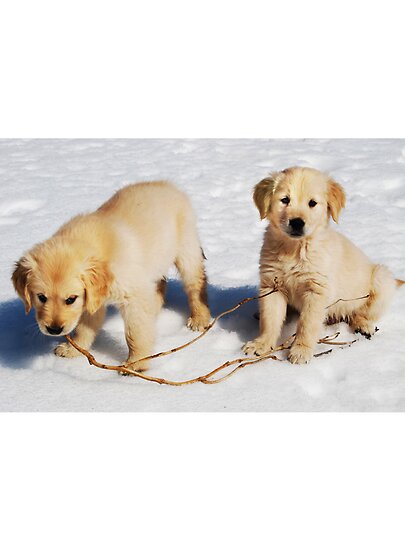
point(119, 255)
point(312, 265)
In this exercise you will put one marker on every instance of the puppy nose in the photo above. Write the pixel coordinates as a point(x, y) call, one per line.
point(54, 330)
point(297, 224)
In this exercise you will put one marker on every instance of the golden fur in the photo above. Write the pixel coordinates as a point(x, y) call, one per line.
point(118, 254)
point(313, 269)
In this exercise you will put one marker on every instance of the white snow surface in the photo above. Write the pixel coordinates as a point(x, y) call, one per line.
point(45, 182)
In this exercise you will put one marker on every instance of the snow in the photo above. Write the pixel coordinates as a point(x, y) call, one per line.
point(45, 182)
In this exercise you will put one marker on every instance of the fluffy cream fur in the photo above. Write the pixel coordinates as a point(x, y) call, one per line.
point(314, 265)
point(118, 254)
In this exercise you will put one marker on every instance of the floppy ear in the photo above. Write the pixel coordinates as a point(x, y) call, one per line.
point(263, 193)
point(20, 278)
point(336, 199)
point(97, 280)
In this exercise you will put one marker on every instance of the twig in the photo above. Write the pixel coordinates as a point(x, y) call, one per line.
point(329, 340)
point(323, 353)
point(125, 369)
point(204, 378)
point(348, 300)
point(208, 378)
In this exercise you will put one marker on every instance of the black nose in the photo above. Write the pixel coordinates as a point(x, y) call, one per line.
point(54, 330)
point(297, 224)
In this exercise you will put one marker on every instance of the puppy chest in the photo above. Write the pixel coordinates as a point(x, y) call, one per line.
point(295, 280)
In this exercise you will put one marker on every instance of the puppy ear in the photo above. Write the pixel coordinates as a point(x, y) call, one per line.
point(97, 280)
point(336, 199)
point(20, 278)
point(263, 193)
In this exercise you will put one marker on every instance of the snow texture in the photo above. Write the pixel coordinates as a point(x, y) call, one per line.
point(45, 182)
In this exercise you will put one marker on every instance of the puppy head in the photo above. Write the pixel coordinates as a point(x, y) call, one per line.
point(60, 286)
point(299, 201)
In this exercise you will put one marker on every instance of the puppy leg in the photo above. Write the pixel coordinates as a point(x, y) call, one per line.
point(191, 269)
point(85, 333)
point(139, 316)
point(364, 319)
point(309, 327)
point(273, 309)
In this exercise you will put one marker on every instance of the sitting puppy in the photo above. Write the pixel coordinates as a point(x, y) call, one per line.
point(118, 254)
point(312, 265)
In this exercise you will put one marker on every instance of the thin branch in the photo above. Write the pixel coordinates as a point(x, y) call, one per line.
point(208, 378)
point(348, 300)
point(323, 353)
point(125, 369)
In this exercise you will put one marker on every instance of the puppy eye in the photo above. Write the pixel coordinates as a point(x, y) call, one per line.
point(71, 300)
point(312, 203)
point(42, 298)
point(285, 200)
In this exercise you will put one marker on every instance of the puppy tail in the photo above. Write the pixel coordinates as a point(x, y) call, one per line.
point(399, 282)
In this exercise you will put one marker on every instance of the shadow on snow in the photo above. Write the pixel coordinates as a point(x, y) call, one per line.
point(21, 341)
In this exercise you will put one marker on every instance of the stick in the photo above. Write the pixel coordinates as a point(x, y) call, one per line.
point(348, 300)
point(208, 378)
point(124, 369)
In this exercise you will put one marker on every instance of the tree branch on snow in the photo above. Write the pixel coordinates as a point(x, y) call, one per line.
point(209, 377)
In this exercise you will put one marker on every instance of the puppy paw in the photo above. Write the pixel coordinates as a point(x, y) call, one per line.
point(66, 350)
point(367, 333)
point(364, 327)
point(199, 323)
point(300, 354)
point(257, 347)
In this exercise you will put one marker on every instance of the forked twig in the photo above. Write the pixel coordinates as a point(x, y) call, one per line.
point(208, 378)
point(125, 369)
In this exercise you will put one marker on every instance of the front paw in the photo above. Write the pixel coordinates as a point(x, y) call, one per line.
point(257, 347)
point(199, 322)
point(367, 332)
point(300, 354)
point(362, 325)
point(66, 350)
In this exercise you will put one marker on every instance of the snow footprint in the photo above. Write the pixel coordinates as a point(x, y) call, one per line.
point(11, 211)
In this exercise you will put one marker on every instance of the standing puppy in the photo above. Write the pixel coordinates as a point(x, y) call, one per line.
point(313, 265)
point(118, 254)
